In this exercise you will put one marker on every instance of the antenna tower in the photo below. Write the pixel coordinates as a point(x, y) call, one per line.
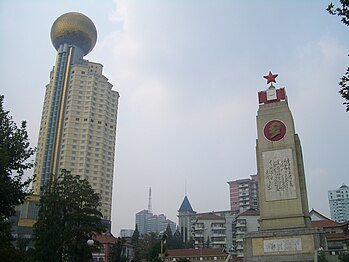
point(149, 202)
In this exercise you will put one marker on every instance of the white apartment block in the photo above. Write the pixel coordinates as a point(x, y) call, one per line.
point(339, 203)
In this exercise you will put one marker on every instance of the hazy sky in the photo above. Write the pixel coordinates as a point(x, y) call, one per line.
point(188, 73)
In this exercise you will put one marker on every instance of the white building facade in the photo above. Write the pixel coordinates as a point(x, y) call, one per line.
point(339, 203)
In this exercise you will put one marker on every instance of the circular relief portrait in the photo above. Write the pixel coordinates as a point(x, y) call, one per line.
point(274, 130)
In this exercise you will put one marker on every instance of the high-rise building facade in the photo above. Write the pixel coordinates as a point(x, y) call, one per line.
point(244, 194)
point(79, 117)
point(339, 203)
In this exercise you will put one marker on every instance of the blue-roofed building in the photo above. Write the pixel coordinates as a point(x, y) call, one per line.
point(185, 216)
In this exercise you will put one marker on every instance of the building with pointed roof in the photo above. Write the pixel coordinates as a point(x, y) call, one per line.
point(185, 216)
point(185, 206)
point(209, 229)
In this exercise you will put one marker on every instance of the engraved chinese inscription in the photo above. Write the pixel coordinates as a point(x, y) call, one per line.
point(283, 245)
point(279, 176)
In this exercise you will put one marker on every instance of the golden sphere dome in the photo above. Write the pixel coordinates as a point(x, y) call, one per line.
point(75, 29)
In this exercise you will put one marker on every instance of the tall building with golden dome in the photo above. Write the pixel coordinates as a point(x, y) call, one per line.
point(79, 116)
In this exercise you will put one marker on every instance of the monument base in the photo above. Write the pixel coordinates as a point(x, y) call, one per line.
point(283, 245)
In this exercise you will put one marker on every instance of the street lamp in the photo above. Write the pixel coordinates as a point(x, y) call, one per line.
point(90, 242)
point(162, 237)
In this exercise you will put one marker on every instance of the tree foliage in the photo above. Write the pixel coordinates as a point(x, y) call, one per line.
point(117, 253)
point(15, 153)
point(343, 12)
point(344, 256)
point(177, 240)
point(135, 236)
point(149, 247)
point(169, 237)
point(68, 215)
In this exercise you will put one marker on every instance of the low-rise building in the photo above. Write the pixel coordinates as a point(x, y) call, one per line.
point(337, 234)
point(106, 241)
point(209, 229)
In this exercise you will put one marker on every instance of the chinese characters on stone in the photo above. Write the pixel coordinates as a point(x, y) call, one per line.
point(279, 177)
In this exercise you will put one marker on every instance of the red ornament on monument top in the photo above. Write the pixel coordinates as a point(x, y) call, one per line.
point(270, 77)
point(271, 95)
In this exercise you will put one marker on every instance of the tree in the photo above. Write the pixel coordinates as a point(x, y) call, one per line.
point(135, 236)
point(169, 237)
point(343, 13)
point(15, 153)
point(149, 247)
point(344, 257)
point(177, 240)
point(68, 215)
point(135, 243)
point(117, 253)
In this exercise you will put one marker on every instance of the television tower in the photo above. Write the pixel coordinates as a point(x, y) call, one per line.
point(149, 202)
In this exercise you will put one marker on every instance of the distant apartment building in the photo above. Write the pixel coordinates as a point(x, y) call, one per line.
point(148, 222)
point(244, 194)
point(339, 203)
point(142, 221)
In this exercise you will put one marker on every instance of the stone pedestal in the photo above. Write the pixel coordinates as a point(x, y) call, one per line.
point(296, 244)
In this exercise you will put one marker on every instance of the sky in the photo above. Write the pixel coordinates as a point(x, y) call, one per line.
point(188, 73)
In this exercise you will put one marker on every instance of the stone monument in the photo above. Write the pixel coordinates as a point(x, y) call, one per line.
point(285, 233)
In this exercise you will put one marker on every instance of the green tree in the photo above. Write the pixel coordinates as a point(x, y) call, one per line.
point(149, 247)
point(135, 243)
point(68, 216)
point(117, 253)
point(343, 12)
point(169, 237)
point(15, 153)
point(344, 257)
point(189, 243)
point(135, 236)
point(322, 256)
point(177, 240)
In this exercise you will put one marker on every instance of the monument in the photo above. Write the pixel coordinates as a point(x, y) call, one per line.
point(285, 233)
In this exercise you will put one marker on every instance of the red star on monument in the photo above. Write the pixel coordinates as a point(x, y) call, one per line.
point(270, 77)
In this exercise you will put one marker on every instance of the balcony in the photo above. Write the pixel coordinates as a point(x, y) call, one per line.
point(217, 226)
point(241, 223)
point(240, 247)
point(218, 235)
point(222, 242)
point(239, 240)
